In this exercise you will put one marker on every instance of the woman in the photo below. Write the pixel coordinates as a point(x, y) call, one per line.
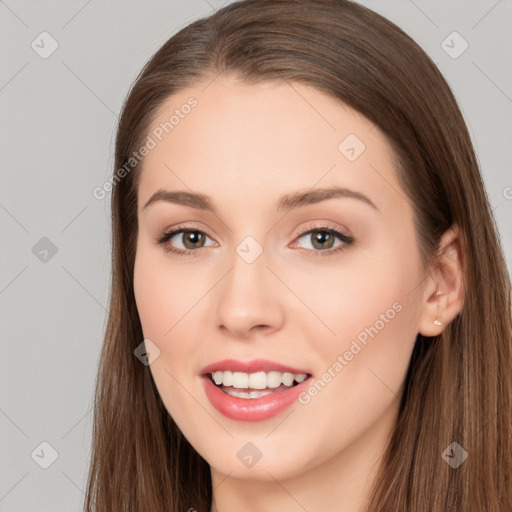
point(240, 370)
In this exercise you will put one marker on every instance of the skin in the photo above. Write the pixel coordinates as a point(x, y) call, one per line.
point(245, 146)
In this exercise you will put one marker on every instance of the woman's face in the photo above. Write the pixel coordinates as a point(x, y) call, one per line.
point(264, 278)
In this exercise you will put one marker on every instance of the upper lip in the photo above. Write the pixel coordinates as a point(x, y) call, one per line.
point(253, 366)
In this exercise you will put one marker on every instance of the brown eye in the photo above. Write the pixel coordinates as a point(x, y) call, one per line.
point(185, 241)
point(322, 239)
point(192, 239)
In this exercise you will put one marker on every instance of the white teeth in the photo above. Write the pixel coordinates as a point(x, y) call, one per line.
point(227, 378)
point(247, 395)
point(273, 379)
point(287, 379)
point(258, 380)
point(240, 380)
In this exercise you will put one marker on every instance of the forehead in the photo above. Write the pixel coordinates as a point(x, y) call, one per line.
point(231, 139)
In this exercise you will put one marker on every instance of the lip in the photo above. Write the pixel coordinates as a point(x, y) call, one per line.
point(252, 409)
point(256, 365)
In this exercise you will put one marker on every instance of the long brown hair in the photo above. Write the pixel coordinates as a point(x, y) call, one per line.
point(458, 387)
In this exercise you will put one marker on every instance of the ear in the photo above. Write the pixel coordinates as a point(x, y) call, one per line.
point(443, 295)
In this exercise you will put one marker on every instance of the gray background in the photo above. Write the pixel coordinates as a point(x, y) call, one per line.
point(58, 120)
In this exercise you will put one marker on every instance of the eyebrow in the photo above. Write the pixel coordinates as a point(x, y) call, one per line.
point(287, 202)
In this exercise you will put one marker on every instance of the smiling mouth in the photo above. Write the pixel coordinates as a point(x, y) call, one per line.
point(255, 385)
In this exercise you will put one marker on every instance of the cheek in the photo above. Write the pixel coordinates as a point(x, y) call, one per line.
point(367, 304)
point(356, 292)
point(167, 296)
point(163, 292)
point(163, 299)
point(365, 363)
point(150, 297)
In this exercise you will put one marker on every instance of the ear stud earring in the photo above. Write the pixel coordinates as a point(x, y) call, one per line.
point(436, 321)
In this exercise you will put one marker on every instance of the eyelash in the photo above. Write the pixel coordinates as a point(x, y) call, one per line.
point(346, 239)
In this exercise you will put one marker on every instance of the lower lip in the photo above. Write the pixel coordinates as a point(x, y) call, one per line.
point(252, 409)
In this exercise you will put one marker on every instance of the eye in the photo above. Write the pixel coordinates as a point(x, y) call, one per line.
point(324, 240)
point(184, 240)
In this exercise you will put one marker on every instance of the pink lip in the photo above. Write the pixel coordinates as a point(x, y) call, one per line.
point(252, 409)
point(256, 365)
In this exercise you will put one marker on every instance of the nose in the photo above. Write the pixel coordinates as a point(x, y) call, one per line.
point(248, 301)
